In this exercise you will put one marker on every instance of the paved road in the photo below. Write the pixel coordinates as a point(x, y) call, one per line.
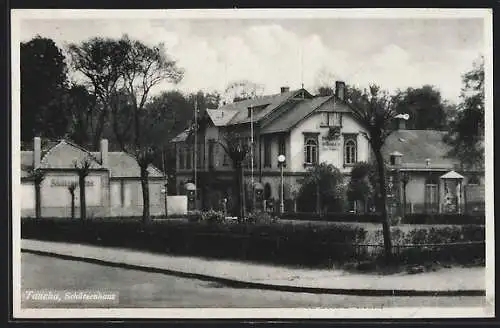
point(140, 289)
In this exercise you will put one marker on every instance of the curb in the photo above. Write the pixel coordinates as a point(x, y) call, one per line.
point(256, 285)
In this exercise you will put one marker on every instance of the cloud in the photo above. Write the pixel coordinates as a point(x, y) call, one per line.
point(267, 53)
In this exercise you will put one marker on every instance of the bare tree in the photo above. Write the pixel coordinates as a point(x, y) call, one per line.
point(71, 189)
point(374, 111)
point(82, 169)
point(38, 176)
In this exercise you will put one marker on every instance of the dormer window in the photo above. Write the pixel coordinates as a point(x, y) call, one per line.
point(331, 119)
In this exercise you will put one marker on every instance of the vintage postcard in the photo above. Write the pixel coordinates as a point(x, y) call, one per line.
point(252, 163)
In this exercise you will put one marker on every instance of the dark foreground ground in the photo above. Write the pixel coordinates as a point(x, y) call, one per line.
point(139, 289)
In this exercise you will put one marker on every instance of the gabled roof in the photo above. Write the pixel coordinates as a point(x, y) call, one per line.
point(419, 145)
point(296, 114)
point(123, 165)
point(452, 175)
point(221, 117)
point(65, 153)
point(266, 103)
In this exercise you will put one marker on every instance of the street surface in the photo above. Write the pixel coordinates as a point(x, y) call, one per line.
point(141, 289)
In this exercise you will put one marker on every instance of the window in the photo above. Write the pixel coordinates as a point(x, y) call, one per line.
point(189, 162)
point(350, 151)
point(267, 191)
point(311, 151)
point(211, 153)
point(181, 157)
point(431, 194)
point(282, 145)
point(225, 159)
point(267, 152)
point(331, 119)
point(200, 154)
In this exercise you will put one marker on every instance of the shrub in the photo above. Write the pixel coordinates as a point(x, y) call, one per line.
point(422, 218)
point(260, 217)
point(333, 217)
point(213, 216)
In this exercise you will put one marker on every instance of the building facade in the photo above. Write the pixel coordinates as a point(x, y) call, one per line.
point(307, 130)
point(113, 186)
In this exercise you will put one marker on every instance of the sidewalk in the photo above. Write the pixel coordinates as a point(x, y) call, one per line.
point(453, 281)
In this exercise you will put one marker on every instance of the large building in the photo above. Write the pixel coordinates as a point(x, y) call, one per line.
point(307, 130)
point(113, 187)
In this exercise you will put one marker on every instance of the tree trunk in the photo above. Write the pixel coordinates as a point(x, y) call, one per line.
point(73, 205)
point(383, 205)
point(242, 194)
point(145, 196)
point(318, 199)
point(38, 198)
point(236, 190)
point(83, 209)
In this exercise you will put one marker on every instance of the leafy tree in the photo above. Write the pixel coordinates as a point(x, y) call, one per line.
point(360, 186)
point(101, 62)
point(424, 105)
point(237, 150)
point(121, 74)
point(325, 91)
point(466, 135)
point(144, 68)
point(80, 111)
point(82, 169)
point(43, 82)
point(325, 182)
point(241, 90)
point(374, 111)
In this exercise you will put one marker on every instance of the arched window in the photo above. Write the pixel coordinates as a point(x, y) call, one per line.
point(311, 151)
point(267, 191)
point(350, 152)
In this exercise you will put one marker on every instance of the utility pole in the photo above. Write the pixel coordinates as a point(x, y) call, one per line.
point(195, 155)
point(165, 179)
point(251, 158)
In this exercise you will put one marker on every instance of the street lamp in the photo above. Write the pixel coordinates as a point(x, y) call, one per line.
point(281, 164)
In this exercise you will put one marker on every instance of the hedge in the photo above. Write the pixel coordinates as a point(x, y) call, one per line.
point(334, 217)
point(273, 242)
point(443, 219)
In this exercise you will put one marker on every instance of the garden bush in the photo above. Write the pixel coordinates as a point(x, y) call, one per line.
point(333, 217)
point(262, 239)
point(462, 219)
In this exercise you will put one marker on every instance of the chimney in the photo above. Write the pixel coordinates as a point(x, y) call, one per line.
point(340, 90)
point(285, 89)
point(104, 153)
point(37, 152)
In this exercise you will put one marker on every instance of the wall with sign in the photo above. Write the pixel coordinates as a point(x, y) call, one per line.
point(55, 193)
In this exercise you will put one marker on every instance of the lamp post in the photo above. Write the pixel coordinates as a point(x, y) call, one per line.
point(281, 162)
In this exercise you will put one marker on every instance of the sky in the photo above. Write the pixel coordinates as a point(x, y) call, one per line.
point(275, 52)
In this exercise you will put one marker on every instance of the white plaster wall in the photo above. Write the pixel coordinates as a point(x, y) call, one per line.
point(27, 195)
point(331, 156)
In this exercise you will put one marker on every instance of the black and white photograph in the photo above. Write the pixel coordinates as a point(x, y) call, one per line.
point(252, 163)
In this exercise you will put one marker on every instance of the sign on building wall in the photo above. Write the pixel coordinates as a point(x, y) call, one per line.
point(328, 144)
point(55, 191)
